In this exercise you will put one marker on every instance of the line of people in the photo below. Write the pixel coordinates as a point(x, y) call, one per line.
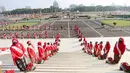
point(28, 35)
point(96, 49)
point(20, 58)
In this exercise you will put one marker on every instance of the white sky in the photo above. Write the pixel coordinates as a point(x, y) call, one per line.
point(13, 4)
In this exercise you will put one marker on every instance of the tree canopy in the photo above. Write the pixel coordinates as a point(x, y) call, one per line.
point(72, 8)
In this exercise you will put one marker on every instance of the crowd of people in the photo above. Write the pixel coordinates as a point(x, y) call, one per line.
point(19, 55)
point(28, 35)
point(47, 50)
point(22, 34)
point(96, 50)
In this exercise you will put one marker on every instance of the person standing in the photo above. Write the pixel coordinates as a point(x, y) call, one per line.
point(40, 51)
point(31, 52)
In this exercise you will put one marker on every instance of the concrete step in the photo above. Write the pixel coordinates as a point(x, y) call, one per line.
point(71, 59)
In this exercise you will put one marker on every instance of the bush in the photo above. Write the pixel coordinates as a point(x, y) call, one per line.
point(114, 23)
point(102, 24)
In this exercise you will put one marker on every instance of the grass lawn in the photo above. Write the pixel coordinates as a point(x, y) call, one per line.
point(119, 22)
point(23, 23)
point(20, 24)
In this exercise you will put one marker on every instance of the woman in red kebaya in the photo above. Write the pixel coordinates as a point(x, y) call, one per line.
point(100, 46)
point(95, 49)
point(31, 52)
point(119, 50)
point(106, 51)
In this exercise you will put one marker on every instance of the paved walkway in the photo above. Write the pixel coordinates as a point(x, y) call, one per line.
point(71, 59)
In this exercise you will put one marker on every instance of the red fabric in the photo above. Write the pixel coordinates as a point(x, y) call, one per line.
point(45, 51)
point(31, 53)
point(15, 53)
point(10, 35)
point(85, 41)
point(91, 46)
point(40, 50)
point(107, 47)
point(99, 49)
point(51, 47)
point(28, 35)
point(35, 34)
point(40, 35)
point(44, 46)
point(78, 31)
point(29, 66)
point(86, 47)
point(121, 46)
point(56, 42)
point(95, 48)
point(9, 71)
point(16, 34)
point(126, 65)
point(48, 47)
point(3, 49)
point(4, 35)
point(55, 47)
point(58, 36)
point(22, 35)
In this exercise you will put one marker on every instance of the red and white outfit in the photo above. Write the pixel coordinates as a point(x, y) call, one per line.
point(17, 50)
point(57, 38)
point(11, 36)
point(119, 50)
point(84, 41)
point(40, 35)
point(16, 35)
point(48, 49)
point(90, 48)
point(45, 51)
point(95, 49)
point(22, 35)
point(32, 54)
point(98, 52)
point(40, 50)
point(125, 67)
point(4, 36)
point(35, 35)
point(28, 35)
point(86, 48)
point(107, 48)
point(106, 51)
